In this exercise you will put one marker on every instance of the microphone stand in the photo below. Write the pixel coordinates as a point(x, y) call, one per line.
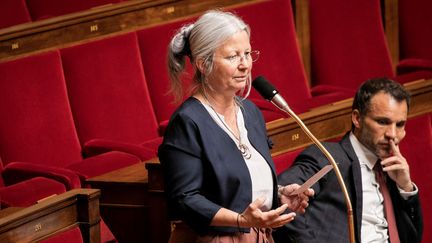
point(332, 162)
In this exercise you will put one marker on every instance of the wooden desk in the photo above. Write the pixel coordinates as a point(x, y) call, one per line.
point(10, 210)
point(74, 208)
point(131, 212)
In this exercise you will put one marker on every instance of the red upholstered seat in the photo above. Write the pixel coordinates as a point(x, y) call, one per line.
point(42, 9)
point(38, 131)
point(28, 192)
point(415, 37)
point(348, 44)
point(73, 235)
point(416, 148)
point(109, 97)
point(13, 12)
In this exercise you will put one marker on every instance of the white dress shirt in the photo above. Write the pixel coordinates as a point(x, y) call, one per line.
point(374, 225)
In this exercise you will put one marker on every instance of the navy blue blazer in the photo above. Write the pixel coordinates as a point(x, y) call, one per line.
point(203, 169)
point(325, 219)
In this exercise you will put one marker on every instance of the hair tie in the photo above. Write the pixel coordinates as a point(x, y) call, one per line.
point(186, 31)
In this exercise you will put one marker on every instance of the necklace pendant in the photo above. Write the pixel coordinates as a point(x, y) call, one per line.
point(244, 150)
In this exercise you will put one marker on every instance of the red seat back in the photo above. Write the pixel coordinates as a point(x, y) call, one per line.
point(37, 124)
point(415, 24)
point(273, 34)
point(108, 92)
point(416, 148)
point(13, 12)
point(348, 44)
point(154, 46)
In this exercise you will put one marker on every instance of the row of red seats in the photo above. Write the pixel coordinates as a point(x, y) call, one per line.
point(14, 12)
point(38, 136)
point(414, 23)
point(69, 111)
point(93, 99)
point(108, 106)
point(348, 44)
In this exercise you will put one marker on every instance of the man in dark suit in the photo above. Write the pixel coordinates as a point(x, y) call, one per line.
point(379, 114)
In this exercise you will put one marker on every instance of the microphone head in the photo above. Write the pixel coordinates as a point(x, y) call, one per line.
point(264, 88)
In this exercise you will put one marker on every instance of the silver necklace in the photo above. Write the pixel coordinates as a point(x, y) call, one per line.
point(243, 148)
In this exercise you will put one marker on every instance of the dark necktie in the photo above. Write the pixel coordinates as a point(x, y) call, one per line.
point(388, 205)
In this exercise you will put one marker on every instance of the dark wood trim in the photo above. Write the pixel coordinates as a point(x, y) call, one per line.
point(78, 207)
point(30, 38)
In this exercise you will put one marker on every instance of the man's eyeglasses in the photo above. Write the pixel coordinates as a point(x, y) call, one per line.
point(248, 56)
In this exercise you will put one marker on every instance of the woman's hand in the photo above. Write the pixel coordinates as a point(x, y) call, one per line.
point(298, 202)
point(254, 217)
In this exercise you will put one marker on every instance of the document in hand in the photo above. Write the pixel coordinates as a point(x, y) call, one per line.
point(313, 179)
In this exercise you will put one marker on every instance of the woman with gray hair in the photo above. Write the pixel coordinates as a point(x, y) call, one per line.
point(220, 179)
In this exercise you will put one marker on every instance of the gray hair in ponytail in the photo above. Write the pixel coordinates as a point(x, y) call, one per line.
point(199, 41)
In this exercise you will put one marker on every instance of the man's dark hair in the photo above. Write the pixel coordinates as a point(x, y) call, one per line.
point(371, 87)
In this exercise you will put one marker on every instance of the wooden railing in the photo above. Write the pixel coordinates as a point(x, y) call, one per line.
point(29, 38)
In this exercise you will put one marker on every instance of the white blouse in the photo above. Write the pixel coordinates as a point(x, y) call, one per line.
point(259, 170)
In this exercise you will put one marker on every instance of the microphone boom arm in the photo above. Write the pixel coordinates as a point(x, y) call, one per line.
point(329, 157)
point(268, 92)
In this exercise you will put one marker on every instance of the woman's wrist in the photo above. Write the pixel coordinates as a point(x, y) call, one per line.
point(241, 221)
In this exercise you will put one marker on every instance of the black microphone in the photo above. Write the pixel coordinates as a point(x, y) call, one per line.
point(269, 92)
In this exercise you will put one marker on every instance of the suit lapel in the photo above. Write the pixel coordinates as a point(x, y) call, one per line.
point(356, 199)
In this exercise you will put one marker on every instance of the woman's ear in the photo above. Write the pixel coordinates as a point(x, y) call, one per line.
point(200, 64)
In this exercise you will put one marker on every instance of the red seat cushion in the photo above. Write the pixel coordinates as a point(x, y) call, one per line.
point(69, 236)
point(30, 191)
point(102, 164)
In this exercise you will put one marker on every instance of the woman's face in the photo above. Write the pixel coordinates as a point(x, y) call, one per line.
point(232, 65)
